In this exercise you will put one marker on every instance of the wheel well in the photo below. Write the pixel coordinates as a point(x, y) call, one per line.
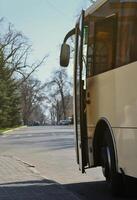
point(100, 130)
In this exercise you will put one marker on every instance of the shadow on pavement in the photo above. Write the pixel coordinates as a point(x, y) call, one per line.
point(92, 190)
point(98, 190)
point(34, 190)
point(50, 190)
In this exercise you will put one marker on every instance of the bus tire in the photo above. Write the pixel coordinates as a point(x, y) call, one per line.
point(108, 160)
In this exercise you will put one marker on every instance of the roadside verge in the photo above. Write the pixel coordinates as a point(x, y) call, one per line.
point(10, 130)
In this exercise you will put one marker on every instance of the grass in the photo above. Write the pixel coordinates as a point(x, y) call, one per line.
point(3, 130)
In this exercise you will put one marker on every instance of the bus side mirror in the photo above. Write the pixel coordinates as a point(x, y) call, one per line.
point(64, 55)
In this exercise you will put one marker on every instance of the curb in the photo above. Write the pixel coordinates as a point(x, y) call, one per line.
point(12, 129)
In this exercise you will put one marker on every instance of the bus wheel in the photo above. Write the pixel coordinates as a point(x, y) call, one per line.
point(108, 160)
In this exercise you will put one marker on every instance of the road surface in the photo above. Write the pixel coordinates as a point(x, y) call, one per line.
point(50, 151)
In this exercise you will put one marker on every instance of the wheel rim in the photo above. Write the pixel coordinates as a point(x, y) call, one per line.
point(106, 162)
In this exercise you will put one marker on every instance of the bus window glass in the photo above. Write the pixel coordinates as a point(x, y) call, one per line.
point(112, 41)
point(127, 34)
point(104, 51)
point(84, 56)
point(90, 48)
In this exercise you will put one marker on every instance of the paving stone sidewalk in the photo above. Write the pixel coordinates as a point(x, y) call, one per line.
point(20, 181)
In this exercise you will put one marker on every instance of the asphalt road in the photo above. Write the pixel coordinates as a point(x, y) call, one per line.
point(50, 150)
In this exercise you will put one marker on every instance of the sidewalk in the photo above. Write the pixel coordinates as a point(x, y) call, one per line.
point(20, 181)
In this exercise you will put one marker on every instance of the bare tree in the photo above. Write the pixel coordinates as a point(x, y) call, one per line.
point(55, 107)
point(16, 68)
point(17, 50)
point(32, 96)
point(58, 88)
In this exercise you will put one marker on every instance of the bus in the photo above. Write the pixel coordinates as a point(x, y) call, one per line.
point(105, 94)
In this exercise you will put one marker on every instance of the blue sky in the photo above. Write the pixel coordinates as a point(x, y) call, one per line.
point(45, 23)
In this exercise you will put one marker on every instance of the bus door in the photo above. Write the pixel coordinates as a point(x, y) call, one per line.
point(79, 98)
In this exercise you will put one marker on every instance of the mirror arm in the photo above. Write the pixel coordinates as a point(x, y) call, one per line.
point(69, 34)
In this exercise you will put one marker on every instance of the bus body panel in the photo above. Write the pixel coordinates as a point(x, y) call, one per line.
point(109, 57)
point(113, 95)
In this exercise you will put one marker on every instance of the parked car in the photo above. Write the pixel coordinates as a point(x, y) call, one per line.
point(64, 122)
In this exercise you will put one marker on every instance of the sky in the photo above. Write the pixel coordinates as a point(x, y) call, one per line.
point(45, 23)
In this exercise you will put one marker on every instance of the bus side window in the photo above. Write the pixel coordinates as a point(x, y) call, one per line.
point(90, 48)
point(105, 45)
point(127, 34)
point(90, 60)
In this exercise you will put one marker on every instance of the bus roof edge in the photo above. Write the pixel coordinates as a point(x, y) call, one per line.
point(93, 7)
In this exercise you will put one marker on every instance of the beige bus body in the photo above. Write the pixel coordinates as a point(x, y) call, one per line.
point(113, 96)
point(105, 94)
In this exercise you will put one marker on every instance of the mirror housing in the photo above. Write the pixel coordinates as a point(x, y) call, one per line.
point(64, 55)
